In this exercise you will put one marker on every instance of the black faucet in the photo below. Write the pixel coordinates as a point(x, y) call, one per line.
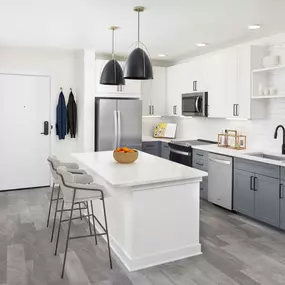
point(275, 136)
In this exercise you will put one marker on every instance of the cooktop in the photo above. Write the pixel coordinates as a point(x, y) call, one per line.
point(187, 145)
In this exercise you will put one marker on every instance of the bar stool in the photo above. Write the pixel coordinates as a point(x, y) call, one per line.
point(74, 192)
point(71, 167)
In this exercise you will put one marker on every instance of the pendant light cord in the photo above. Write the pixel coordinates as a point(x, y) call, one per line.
point(113, 32)
point(138, 28)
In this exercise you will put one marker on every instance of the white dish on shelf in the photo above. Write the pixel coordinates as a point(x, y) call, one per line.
point(270, 61)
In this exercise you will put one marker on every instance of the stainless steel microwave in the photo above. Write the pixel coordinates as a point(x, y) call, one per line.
point(195, 104)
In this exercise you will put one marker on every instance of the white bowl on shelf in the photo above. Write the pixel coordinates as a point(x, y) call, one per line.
point(270, 61)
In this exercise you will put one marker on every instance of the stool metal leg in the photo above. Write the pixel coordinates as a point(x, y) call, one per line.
point(94, 228)
point(89, 222)
point(68, 234)
point(55, 213)
point(80, 210)
point(50, 203)
point(107, 232)
point(59, 226)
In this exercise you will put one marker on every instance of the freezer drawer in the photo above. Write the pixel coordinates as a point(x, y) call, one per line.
point(220, 173)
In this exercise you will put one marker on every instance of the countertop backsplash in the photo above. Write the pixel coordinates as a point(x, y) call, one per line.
point(259, 132)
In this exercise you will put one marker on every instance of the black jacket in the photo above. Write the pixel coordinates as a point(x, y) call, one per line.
point(71, 116)
point(61, 117)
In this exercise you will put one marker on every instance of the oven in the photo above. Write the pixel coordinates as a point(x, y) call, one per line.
point(195, 104)
point(182, 157)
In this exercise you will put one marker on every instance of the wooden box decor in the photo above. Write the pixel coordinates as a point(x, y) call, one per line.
point(231, 139)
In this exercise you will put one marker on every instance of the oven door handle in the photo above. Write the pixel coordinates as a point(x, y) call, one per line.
point(180, 152)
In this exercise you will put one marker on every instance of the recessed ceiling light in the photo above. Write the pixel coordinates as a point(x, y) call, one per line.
point(201, 44)
point(253, 27)
point(162, 54)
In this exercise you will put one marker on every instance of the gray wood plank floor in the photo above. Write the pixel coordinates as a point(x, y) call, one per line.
point(236, 250)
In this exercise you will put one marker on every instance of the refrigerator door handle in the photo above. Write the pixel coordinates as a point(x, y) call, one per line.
point(116, 129)
point(119, 128)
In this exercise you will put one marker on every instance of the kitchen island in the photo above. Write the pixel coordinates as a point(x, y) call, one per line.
point(153, 208)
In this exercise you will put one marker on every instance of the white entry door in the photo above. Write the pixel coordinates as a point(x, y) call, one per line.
point(24, 107)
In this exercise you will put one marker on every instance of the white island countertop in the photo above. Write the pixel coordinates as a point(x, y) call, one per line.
point(148, 169)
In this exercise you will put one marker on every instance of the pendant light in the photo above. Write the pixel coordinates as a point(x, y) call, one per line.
point(138, 65)
point(112, 73)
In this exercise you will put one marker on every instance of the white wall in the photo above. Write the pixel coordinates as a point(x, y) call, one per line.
point(62, 68)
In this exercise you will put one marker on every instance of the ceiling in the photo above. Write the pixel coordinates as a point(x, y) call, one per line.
point(167, 26)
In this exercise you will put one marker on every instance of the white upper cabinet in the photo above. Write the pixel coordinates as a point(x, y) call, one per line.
point(154, 93)
point(132, 88)
point(196, 79)
point(177, 83)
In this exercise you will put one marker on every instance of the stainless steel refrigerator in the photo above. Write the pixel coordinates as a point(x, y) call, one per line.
point(118, 122)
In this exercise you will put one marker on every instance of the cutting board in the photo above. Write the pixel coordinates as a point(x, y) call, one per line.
point(165, 130)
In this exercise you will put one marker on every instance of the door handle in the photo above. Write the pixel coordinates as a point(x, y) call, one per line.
point(255, 180)
point(119, 128)
point(46, 130)
point(116, 130)
point(251, 183)
point(281, 191)
point(237, 109)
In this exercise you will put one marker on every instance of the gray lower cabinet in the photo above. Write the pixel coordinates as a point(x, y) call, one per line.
point(243, 192)
point(151, 148)
point(257, 192)
point(165, 150)
point(266, 199)
point(282, 204)
point(200, 161)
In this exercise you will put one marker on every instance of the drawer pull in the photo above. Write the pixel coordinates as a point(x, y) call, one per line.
point(200, 154)
point(281, 191)
point(200, 164)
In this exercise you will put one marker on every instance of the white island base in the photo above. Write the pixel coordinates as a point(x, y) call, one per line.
point(153, 208)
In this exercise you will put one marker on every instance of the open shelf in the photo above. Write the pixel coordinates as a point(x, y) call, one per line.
point(269, 69)
point(268, 97)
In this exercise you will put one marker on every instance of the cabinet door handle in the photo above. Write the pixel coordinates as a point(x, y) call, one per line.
point(281, 191)
point(234, 109)
point(199, 154)
point(200, 164)
point(251, 183)
point(237, 109)
point(255, 180)
point(173, 110)
point(152, 112)
point(149, 109)
point(193, 85)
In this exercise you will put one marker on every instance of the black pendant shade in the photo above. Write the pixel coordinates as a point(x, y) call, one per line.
point(138, 66)
point(112, 74)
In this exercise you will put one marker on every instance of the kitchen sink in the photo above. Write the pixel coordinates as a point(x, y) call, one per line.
point(267, 156)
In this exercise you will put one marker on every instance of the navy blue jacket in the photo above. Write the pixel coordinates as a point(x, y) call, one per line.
point(61, 117)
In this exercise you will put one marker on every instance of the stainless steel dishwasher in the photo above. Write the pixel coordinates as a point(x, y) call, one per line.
point(220, 174)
